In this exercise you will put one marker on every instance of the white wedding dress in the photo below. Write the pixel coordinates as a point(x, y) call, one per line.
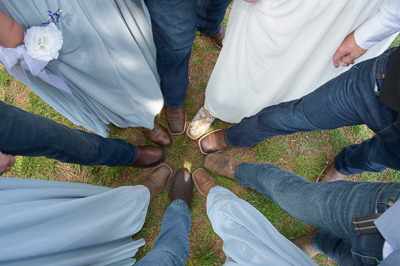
point(281, 50)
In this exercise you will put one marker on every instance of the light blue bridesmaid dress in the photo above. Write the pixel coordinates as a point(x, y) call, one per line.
point(107, 60)
point(60, 223)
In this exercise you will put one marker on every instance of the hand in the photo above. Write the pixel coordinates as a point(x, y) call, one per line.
point(347, 52)
point(6, 161)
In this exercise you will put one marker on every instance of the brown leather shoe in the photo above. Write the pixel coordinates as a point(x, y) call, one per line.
point(221, 164)
point(203, 181)
point(149, 156)
point(213, 142)
point(157, 179)
point(305, 243)
point(158, 135)
point(181, 186)
point(219, 37)
point(176, 120)
point(330, 174)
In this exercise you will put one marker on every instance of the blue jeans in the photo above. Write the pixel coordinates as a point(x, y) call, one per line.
point(174, 25)
point(172, 244)
point(346, 100)
point(26, 134)
point(329, 206)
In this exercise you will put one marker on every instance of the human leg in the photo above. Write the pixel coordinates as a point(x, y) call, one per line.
point(330, 206)
point(249, 238)
point(334, 247)
point(174, 30)
point(172, 244)
point(210, 14)
point(346, 100)
point(373, 155)
point(26, 134)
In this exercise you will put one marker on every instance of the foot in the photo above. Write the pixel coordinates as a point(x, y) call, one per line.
point(203, 181)
point(201, 122)
point(219, 37)
point(221, 164)
point(158, 135)
point(305, 243)
point(213, 142)
point(149, 156)
point(157, 179)
point(330, 174)
point(176, 120)
point(181, 186)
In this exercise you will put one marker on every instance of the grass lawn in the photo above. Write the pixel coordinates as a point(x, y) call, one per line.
point(305, 154)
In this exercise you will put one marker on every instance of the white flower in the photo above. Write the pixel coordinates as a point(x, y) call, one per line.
point(43, 42)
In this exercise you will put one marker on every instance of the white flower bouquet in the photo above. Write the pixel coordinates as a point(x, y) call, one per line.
point(41, 45)
point(43, 42)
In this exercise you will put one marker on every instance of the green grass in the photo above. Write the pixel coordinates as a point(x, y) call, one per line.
point(305, 154)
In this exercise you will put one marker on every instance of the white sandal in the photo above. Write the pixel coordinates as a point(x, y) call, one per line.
point(201, 122)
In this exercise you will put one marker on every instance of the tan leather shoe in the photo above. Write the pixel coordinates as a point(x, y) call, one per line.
point(157, 179)
point(219, 37)
point(213, 142)
point(203, 181)
point(201, 122)
point(221, 164)
point(181, 186)
point(305, 243)
point(330, 174)
point(158, 135)
point(149, 156)
point(176, 120)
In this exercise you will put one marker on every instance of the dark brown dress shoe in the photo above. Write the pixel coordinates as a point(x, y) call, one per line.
point(330, 174)
point(176, 120)
point(157, 179)
point(158, 135)
point(305, 243)
point(149, 156)
point(219, 37)
point(181, 186)
point(221, 164)
point(213, 142)
point(203, 181)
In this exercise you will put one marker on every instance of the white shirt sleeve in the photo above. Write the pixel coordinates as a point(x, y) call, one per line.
point(379, 26)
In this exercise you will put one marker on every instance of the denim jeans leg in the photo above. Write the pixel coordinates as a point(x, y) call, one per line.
point(346, 100)
point(172, 244)
point(174, 30)
point(334, 247)
point(330, 206)
point(210, 14)
point(27, 134)
point(372, 155)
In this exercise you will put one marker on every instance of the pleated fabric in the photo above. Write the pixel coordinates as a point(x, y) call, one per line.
point(249, 238)
point(60, 223)
point(107, 60)
point(280, 50)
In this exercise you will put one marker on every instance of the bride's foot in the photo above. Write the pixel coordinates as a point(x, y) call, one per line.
point(201, 122)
